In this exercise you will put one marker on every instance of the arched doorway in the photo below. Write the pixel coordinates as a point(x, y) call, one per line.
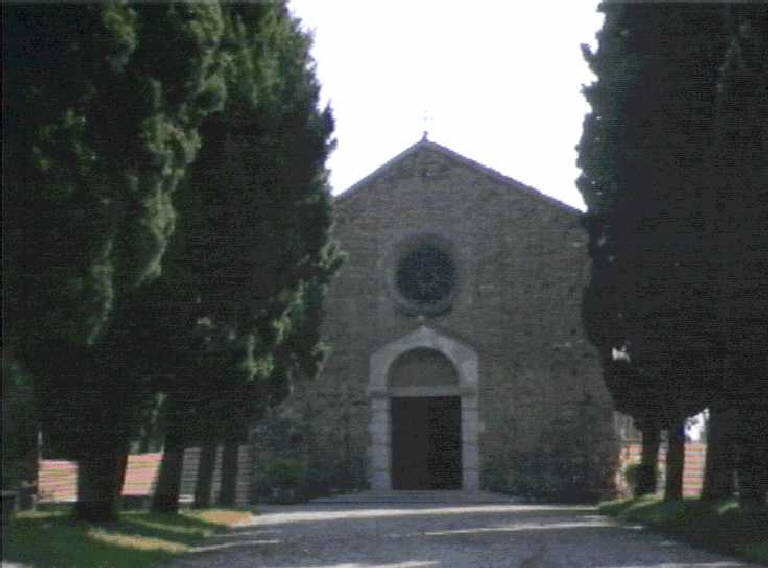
point(425, 407)
point(424, 414)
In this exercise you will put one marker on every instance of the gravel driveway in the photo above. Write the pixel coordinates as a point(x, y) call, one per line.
point(441, 536)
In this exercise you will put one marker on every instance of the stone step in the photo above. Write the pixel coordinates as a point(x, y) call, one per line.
point(421, 496)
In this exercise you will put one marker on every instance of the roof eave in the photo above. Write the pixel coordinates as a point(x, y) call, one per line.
point(357, 187)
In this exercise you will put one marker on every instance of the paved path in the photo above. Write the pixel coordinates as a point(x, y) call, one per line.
point(398, 535)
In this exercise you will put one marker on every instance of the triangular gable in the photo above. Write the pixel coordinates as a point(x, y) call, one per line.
point(425, 143)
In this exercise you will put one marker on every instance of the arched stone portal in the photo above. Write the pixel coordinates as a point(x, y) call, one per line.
point(460, 382)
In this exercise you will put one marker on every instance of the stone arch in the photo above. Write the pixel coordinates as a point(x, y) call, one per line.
point(422, 368)
point(464, 360)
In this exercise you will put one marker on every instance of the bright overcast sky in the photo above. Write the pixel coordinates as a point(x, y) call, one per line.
point(498, 80)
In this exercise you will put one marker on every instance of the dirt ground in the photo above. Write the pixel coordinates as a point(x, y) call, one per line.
point(369, 535)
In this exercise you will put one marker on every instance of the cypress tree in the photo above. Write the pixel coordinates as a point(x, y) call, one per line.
point(103, 106)
point(737, 213)
point(673, 155)
point(104, 115)
point(252, 243)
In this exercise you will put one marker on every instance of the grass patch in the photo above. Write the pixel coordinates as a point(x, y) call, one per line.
point(139, 538)
point(722, 527)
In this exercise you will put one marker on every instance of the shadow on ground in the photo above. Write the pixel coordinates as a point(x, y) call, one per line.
point(398, 536)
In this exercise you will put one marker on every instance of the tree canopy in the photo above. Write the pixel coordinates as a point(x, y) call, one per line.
point(133, 268)
point(642, 150)
point(89, 184)
point(674, 169)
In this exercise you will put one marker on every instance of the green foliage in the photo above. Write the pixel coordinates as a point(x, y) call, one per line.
point(285, 472)
point(739, 208)
point(20, 420)
point(724, 526)
point(285, 436)
point(674, 168)
point(283, 447)
point(103, 112)
point(248, 267)
point(642, 152)
point(631, 474)
point(48, 539)
point(251, 256)
point(568, 465)
point(150, 418)
point(133, 268)
point(281, 480)
point(89, 188)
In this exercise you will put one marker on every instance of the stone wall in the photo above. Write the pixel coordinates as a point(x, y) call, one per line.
point(521, 265)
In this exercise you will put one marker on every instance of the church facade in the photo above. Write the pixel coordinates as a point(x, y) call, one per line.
point(457, 355)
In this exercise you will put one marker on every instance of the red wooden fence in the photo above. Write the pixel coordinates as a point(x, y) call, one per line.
point(57, 479)
point(693, 470)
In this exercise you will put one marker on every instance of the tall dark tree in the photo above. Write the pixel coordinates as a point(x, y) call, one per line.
point(20, 423)
point(252, 244)
point(738, 209)
point(646, 307)
point(102, 108)
point(662, 276)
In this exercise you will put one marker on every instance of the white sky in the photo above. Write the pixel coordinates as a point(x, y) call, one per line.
point(499, 80)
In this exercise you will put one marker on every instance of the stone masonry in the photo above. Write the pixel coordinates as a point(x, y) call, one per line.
point(536, 419)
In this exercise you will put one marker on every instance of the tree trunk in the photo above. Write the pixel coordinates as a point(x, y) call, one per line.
point(719, 468)
point(122, 471)
point(166, 498)
point(750, 477)
point(229, 463)
point(101, 467)
point(97, 487)
point(205, 475)
point(647, 470)
point(752, 465)
point(675, 462)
